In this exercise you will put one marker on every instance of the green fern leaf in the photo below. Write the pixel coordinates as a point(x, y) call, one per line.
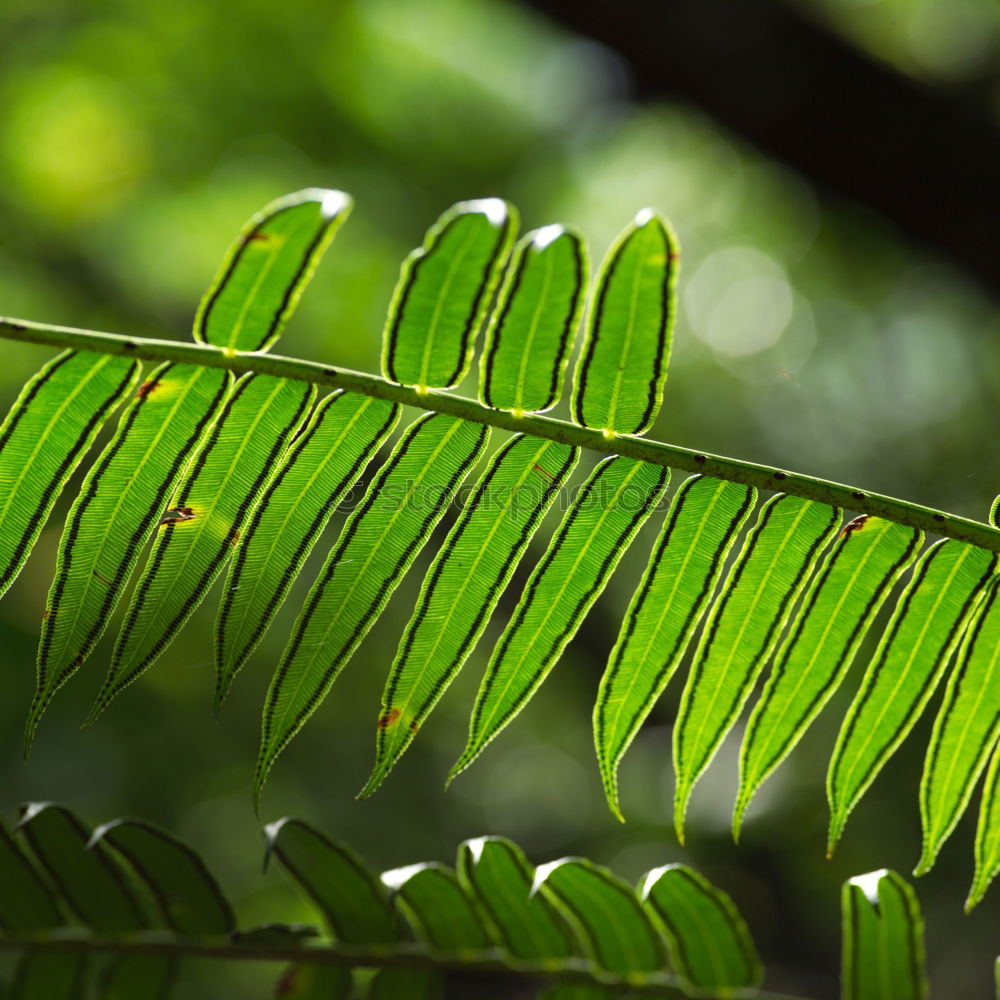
point(742, 629)
point(846, 594)
point(121, 501)
point(987, 834)
point(354, 903)
point(463, 585)
point(609, 509)
point(531, 334)
point(47, 432)
point(211, 506)
point(266, 270)
point(316, 472)
point(98, 892)
point(444, 293)
point(381, 538)
point(438, 908)
point(710, 945)
point(619, 380)
point(185, 892)
point(965, 731)
point(90, 882)
point(948, 583)
point(704, 519)
point(27, 904)
point(883, 952)
point(606, 914)
point(495, 871)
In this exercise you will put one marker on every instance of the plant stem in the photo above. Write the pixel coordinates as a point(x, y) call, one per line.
point(332, 953)
point(672, 456)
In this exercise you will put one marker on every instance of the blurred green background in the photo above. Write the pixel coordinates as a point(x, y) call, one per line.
point(135, 139)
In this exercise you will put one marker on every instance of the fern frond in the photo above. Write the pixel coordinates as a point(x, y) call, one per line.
point(867, 559)
point(463, 585)
point(987, 833)
point(792, 610)
point(567, 929)
point(618, 384)
point(120, 503)
point(606, 915)
point(965, 731)
point(495, 871)
point(723, 955)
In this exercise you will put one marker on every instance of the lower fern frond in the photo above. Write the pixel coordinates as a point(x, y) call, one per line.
point(146, 901)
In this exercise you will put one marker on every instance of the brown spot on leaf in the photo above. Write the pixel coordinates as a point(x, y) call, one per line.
point(146, 388)
point(414, 728)
point(856, 525)
point(256, 237)
point(544, 473)
point(107, 583)
point(180, 514)
point(46, 614)
point(234, 538)
point(389, 719)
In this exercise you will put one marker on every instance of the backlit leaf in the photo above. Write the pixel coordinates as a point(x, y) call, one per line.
point(965, 731)
point(266, 270)
point(444, 292)
point(619, 379)
point(742, 629)
point(463, 585)
point(883, 948)
point(314, 475)
point(704, 519)
point(710, 945)
point(531, 334)
point(843, 599)
point(384, 533)
point(210, 508)
point(122, 500)
point(927, 623)
point(608, 510)
point(616, 932)
point(43, 438)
